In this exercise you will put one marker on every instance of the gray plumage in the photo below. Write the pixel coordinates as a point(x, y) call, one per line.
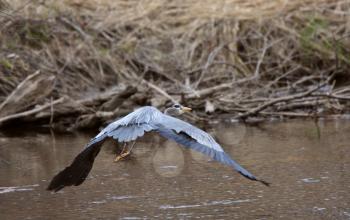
point(135, 125)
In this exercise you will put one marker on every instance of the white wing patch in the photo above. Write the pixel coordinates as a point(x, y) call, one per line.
point(133, 125)
point(129, 133)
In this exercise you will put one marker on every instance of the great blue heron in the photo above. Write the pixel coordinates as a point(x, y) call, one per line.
point(134, 125)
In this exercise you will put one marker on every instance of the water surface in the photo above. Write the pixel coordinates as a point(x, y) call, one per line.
point(307, 164)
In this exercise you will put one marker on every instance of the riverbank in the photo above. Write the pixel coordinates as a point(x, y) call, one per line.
point(79, 64)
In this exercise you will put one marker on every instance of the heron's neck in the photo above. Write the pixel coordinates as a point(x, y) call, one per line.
point(166, 111)
point(171, 112)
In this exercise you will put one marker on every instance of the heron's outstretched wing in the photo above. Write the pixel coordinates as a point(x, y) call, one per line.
point(131, 127)
point(126, 129)
point(196, 139)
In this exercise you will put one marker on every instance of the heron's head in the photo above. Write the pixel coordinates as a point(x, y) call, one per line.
point(176, 110)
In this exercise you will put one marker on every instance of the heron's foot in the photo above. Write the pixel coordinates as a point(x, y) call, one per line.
point(121, 156)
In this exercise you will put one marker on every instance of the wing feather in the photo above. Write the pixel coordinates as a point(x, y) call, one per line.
point(220, 156)
point(76, 173)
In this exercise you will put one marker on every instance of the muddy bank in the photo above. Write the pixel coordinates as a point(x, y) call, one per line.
point(77, 64)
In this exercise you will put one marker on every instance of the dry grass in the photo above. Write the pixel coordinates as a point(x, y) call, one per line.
point(232, 55)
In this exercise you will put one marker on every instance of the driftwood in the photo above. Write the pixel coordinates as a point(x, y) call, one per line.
point(87, 115)
point(274, 101)
point(30, 112)
point(115, 101)
point(110, 109)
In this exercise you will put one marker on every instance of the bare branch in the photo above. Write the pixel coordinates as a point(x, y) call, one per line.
point(31, 112)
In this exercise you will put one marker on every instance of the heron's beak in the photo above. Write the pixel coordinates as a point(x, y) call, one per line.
point(186, 109)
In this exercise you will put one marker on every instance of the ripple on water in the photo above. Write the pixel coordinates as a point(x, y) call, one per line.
point(122, 197)
point(211, 203)
point(99, 202)
point(310, 180)
point(318, 209)
point(131, 218)
point(10, 189)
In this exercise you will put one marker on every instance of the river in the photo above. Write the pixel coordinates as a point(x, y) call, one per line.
point(307, 163)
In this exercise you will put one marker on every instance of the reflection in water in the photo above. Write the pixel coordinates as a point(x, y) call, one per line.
point(230, 134)
point(308, 168)
point(199, 157)
point(168, 160)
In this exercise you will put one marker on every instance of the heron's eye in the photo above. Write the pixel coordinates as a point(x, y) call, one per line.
point(176, 106)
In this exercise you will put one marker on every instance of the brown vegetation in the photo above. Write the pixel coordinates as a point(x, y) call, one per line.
point(80, 63)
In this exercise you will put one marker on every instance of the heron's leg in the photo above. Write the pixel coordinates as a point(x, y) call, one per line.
point(129, 151)
point(124, 147)
point(124, 154)
point(118, 157)
point(132, 146)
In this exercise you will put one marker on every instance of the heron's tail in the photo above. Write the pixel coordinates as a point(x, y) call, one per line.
point(76, 173)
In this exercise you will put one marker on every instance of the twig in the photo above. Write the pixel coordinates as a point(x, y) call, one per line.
point(159, 90)
point(305, 79)
point(213, 89)
point(346, 98)
point(261, 58)
point(299, 105)
point(51, 111)
point(287, 114)
point(26, 80)
point(75, 27)
point(210, 59)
